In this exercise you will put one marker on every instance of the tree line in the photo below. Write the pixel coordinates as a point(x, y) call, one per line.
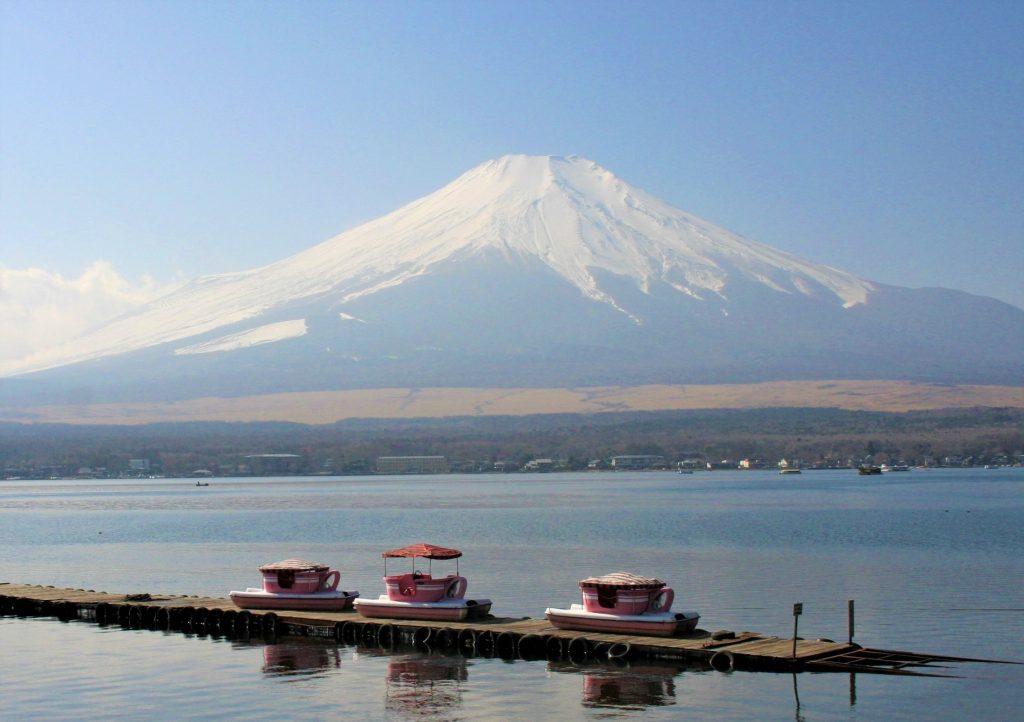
point(815, 437)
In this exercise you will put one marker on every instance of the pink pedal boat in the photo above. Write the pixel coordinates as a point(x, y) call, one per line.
point(624, 603)
point(296, 584)
point(423, 596)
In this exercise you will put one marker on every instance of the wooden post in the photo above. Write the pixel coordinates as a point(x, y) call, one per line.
point(798, 609)
point(849, 606)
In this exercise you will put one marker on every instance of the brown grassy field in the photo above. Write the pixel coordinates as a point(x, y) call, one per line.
point(323, 407)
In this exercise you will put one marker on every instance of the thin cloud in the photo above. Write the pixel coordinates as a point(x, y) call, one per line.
point(41, 309)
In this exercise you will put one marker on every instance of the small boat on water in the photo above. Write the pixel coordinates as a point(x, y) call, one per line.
point(787, 468)
point(867, 470)
point(625, 603)
point(296, 584)
point(416, 595)
point(886, 468)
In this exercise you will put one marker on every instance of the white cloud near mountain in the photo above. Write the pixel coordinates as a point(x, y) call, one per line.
point(41, 309)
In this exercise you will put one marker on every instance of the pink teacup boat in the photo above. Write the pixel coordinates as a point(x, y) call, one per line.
point(422, 596)
point(296, 584)
point(626, 603)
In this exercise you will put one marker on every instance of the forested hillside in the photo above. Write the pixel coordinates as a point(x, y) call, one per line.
point(814, 437)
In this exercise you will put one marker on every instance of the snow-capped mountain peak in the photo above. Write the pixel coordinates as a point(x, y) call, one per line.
point(567, 213)
point(574, 216)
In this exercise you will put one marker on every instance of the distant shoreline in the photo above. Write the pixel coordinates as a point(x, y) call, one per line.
point(806, 438)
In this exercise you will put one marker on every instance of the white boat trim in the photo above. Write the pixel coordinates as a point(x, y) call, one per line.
point(256, 593)
point(383, 600)
point(578, 610)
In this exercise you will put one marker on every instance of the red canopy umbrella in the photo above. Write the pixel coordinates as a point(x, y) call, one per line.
point(423, 551)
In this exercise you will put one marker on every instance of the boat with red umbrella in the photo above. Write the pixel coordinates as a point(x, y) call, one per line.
point(296, 584)
point(625, 603)
point(415, 595)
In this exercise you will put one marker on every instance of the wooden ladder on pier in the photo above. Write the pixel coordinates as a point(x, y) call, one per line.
point(888, 661)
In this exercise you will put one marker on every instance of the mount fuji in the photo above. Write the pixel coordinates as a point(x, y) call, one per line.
point(532, 271)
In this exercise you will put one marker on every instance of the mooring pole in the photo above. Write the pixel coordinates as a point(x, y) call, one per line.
point(849, 607)
point(798, 609)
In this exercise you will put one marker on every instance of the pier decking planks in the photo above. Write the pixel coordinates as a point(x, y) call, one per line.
point(746, 650)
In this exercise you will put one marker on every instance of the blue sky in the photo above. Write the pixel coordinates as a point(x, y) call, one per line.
point(175, 139)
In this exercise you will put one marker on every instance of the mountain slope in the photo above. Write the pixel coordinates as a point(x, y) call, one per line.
point(536, 271)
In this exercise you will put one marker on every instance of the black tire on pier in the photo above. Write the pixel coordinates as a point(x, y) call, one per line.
point(422, 635)
point(505, 645)
point(553, 648)
point(578, 649)
point(722, 661)
point(530, 646)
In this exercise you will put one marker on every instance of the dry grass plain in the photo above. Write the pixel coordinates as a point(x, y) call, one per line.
point(324, 407)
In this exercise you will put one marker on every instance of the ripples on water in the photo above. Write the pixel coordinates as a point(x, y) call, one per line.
point(934, 560)
point(85, 672)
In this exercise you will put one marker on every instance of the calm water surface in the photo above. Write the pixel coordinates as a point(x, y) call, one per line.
point(933, 559)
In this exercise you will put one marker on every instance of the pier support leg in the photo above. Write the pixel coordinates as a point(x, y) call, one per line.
point(798, 609)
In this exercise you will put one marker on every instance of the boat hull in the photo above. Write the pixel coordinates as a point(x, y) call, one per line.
point(448, 610)
point(664, 624)
point(319, 601)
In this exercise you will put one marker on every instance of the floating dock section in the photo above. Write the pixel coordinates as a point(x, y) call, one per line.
point(508, 638)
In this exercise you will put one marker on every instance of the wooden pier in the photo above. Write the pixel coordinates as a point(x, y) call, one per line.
point(508, 638)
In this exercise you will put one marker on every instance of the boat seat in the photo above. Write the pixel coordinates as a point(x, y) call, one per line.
point(407, 585)
point(607, 595)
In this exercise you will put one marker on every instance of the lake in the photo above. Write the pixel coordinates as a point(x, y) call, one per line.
point(933, 558)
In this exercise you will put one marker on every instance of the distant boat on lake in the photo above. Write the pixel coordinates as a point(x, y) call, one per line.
point(787, 468)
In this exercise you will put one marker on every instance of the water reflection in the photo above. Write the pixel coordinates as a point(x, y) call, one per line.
point(300, 658)
point(625, 686)
point(428, 684)
point(418, 684)
point(797, 716)
point(425, 686)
